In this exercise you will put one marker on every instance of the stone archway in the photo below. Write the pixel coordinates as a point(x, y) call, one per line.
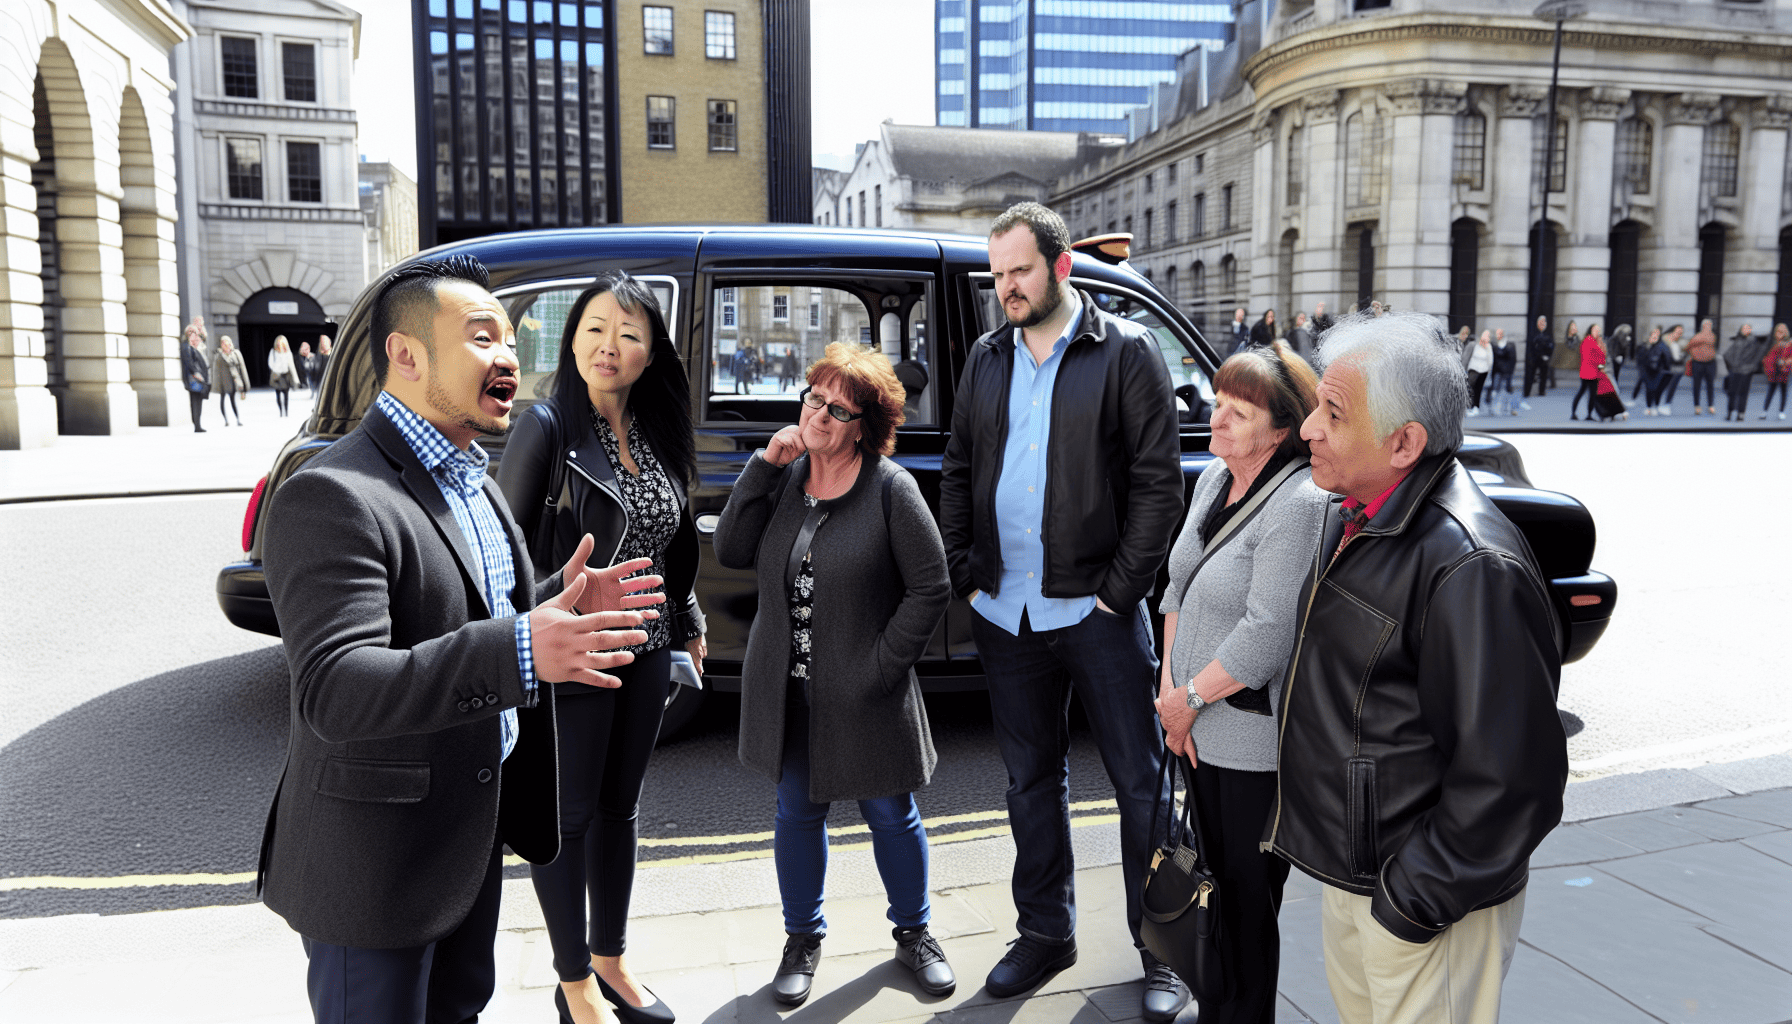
point(152, 316)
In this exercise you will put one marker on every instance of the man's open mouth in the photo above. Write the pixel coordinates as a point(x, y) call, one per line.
point(503, 389)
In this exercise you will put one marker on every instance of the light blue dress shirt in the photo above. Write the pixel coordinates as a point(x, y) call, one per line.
point(1020, 497)
point(460, 475)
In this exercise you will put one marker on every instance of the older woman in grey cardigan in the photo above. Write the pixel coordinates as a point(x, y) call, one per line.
point(852, 584)
point(1229, 624)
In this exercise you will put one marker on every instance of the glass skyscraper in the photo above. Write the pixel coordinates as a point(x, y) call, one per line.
point(1062, 65)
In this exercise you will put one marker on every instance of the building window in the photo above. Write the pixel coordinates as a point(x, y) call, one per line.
point(1362, 158)
point(298, 66)
point(1228, 274)
point(1200, 228)
point(1635, 150)
point(1170, 175)
point(1200, 163)
point(1297, 153)
point(862, 221)
point(1226, 207)
point(1128, 222)
point(1149, 226)
point(780, 309)
point(718, 35)
point(1718, 171)
point(661, 118)
point(1558, 164)
point(877, 203)
point(723, 133)
point(304, 172)
point(239, 67)
point(814, 313)
point(1471, 151)
point(244, 171)
point(656, 30)
point(1150, 181)
point(1170, 222)
point(728, 307)
point(1197, 283)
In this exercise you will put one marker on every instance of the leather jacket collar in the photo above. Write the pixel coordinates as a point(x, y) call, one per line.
point(1004, 340)
point(1409, 497)
point(589, 459)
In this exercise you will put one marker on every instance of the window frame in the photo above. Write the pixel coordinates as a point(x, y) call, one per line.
point(709, 34)
point(261, 168)
point(225, 74)
point(648, 37)
point(1468, 152)
point(671, 123)
point(733, 125)
point(286, 78)
point(286, 156)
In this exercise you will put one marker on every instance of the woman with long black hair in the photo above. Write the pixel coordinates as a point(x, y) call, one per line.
point(614, 443)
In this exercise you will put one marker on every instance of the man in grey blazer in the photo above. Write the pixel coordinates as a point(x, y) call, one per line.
point(422, 738)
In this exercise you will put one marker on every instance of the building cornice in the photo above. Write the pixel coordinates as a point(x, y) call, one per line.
point(272, 111)
point(156, 19)
point(308, 214)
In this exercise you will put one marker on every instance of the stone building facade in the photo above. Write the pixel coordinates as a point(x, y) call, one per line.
point(1395, 151)
point(271, 231)
point(389, 207)
point(88, 308)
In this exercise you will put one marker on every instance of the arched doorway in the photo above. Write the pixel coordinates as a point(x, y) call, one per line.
point(1465, 258)
point(1621, 284)
point(1709, 302)
point(1359, 263)
point(1285, 279)
point(1782, 294)
point(270, 313)
point(1541, 283)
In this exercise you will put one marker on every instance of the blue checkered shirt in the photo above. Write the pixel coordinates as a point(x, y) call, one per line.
point(461, 477)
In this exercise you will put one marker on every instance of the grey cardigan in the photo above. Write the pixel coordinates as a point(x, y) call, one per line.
point(1241, 609)
point(879, 595)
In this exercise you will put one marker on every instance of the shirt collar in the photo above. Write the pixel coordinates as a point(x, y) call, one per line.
point(1070, 328)
point(1357, 515)
point(439, 455)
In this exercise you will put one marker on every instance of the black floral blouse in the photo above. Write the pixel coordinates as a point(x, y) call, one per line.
point(802, 597)
point(653, 515)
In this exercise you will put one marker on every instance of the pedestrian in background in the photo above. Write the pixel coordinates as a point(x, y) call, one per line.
point(1618, 350)
point(1241, 332)
point(196, 372)
point(1321, 322)
point(1539, 349)
point(230, 377)
point(1676, 368)
point(1300, 336)
point(1422, 759)
point(1777, 366)
point(1229, 610)
point(1465, 341)
point(1742, 360)
point(197, 327)
point(1478, 361)
point(1701, 366)
point(1499, 383)
point(852, 584)
point(283, 372)
point(787, 369)
point(616, 433)
point(1653, 363)
point(1060, 487)
point(323, 362)
point(307, 366)
point(1591, 350)
point(1567, 354)
point(1263, 332)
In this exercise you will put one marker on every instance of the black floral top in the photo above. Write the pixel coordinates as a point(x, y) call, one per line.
point(802, 597)
point(652, 516)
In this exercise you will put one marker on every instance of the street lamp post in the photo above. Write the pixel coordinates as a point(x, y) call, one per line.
point(1558, 11)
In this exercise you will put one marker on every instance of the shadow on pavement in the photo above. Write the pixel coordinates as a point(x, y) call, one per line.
point(170, 775)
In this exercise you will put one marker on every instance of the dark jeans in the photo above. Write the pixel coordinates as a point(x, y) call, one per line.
point(1231, 807)
point(1476, 379)
point(1736, 388)
point(1657, 382)
point(1769, 401)
point(1674, 376)
point(800, 842)
point(1706, 374)
point(196, 404)
point(280, 399)
point(1536, 372)
point(445, 982)
point(1110, 662)
point(228, 396)
point(1588, 388)
point(606, 738)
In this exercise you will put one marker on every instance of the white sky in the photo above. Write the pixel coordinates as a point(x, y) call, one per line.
point(865, 67)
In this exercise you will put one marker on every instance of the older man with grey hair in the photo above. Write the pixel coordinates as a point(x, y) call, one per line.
point(1421, 758)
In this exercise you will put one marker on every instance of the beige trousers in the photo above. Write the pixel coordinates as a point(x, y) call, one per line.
point(1453, 979)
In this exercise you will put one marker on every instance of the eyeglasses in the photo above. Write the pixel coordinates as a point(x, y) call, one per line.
point(814, 401)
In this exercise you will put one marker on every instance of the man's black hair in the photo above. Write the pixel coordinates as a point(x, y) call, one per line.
point(407, 303)
point(1048, 228)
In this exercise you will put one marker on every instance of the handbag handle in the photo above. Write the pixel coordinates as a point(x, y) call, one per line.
point(1189, 821)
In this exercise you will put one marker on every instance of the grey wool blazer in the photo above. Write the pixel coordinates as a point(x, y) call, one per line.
point(879, 594)
point(394, 794)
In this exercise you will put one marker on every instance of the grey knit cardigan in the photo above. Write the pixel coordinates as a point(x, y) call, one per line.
point(879, 595)
point(1241, 609)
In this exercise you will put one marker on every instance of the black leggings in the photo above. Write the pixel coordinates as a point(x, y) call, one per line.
point(196, 399)
point(228, 396)
point(280, 399)
point(1231, 808)
point(1769, 401)
point(1588, 388)
point(606, 737)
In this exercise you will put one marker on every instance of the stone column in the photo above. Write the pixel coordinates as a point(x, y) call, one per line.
point(1668, 262)
point(1505, 263)
point(1751, 267)
point(1316, 258)
point(1417, 251)
point(1584, 256)
point(27, 409)
point(151, 269)
point(94, 339)
point(1265, 239)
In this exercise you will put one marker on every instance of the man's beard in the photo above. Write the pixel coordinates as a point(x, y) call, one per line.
point(1042, 310)
point(472, 419)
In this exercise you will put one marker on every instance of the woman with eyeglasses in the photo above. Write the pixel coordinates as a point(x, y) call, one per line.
point(852, 583)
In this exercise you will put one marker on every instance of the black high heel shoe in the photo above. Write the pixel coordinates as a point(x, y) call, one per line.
point(656, 1012)
point(560, 1004)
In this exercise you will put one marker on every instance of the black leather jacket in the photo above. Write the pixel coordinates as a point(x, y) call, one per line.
point(597, 508)
point(1421, 757)
point(1113, 472)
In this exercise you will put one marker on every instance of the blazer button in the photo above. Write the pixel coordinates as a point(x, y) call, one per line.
point(485, 775)
point(464, 706)
point(476, 702)
point(491, 698)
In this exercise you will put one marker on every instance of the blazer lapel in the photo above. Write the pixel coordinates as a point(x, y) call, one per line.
point(428, 494)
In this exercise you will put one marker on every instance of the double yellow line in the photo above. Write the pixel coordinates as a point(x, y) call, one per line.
point(1078, 820)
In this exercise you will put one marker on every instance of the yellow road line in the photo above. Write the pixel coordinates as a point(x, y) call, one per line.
point(246, 877)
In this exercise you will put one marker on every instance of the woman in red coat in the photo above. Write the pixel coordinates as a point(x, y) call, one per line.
point(1778, 368)
point(1592, 371)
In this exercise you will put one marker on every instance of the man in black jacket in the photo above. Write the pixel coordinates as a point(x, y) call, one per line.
point(196, 375)
point(1539, 348)
point(1059, 495)
point(1421, 758)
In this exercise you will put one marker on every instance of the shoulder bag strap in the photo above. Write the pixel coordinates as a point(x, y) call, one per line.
point(1245, 514)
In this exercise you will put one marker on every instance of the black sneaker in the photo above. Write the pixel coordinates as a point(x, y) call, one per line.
point(1026, 964)
point(919, 951)
point(796, 971)
point(1165, 994)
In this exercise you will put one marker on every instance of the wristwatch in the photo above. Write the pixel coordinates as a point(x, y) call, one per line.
point(1195, 703)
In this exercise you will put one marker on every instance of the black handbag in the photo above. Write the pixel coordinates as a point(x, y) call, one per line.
point(1180, 900)
point(546, 525)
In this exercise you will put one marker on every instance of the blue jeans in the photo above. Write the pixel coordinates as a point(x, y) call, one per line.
point(800, 842)
point(1110, 661)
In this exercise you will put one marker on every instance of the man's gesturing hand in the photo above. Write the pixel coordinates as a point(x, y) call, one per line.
point(572, 648)
point(607, 590)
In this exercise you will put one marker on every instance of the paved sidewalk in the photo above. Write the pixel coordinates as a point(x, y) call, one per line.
point(1550, 412)
point(1673, 914)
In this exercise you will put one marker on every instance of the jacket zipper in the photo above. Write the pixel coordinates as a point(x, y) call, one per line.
point(605, 491)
